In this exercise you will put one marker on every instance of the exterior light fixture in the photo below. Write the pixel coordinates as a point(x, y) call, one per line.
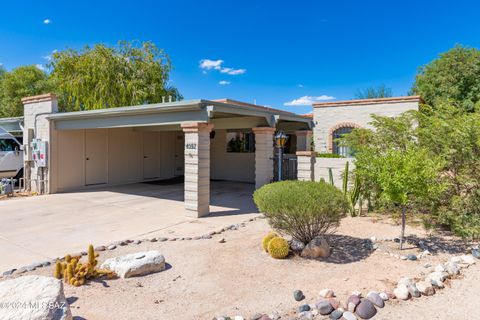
point(280, 142)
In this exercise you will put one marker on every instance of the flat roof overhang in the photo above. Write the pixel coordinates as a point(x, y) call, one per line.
point(12, 125)
point(169, 116)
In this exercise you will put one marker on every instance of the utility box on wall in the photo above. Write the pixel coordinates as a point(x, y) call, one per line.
point(39, 152)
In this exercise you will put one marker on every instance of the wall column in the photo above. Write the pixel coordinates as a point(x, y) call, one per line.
point(304, 140)
point(37, 126)
point(306, 165)
point(197, 168)
point(263, 155)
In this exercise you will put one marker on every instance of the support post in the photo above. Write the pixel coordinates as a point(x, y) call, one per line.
point(263, 155)
point(304, 140)
point(306, 165)
point(197, 168)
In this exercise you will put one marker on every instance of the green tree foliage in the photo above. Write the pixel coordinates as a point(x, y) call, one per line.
point(381, 91)
point(453, 134)
point(105, 77)
point(397, 170)
point(21, 82)
point(454, 77)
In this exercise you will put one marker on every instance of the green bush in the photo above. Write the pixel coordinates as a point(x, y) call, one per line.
point(329, 155)
point(302, 209)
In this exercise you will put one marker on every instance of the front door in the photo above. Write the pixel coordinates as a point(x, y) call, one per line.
point(96, 152)
point(151, 155)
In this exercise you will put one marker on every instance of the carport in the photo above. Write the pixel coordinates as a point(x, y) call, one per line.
point(197, 139)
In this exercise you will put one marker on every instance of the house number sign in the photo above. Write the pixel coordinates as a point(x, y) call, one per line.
point(191, 146)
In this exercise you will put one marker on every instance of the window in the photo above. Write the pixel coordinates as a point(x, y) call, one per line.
point(8, 145)
point(239, 141)
point(337, 149)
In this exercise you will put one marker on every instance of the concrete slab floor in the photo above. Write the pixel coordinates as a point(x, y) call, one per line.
point(40, 228)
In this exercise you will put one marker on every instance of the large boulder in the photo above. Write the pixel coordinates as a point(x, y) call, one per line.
point(135, 264)
point(33, 298)
point(317, 248)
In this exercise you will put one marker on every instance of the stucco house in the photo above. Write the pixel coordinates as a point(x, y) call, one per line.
point(200, 140)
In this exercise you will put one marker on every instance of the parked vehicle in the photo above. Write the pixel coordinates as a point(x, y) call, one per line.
point(11, 156)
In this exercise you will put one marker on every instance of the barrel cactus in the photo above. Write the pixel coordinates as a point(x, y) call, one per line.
point(278, 248)
point(267, 239)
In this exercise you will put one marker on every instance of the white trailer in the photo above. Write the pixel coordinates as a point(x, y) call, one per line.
point(11, 156)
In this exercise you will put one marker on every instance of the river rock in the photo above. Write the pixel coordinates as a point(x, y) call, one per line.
point(352, 302)
point(347, 315)
point(324, 307)
point(336, 314)
point(296, 245)
point(413, 290)
point(135, 264)
point(375, 299)
point(426, 288)
point(383, 295)
point(298, 295)
point(401, 292)
point(366, 309)
point(327, 293)
point(35, 292)
point(452, 268)
point(317, 248)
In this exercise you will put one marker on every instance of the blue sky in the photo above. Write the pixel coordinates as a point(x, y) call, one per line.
point(271, 52)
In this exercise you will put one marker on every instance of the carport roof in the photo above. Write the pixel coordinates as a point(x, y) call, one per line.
point(172, 113)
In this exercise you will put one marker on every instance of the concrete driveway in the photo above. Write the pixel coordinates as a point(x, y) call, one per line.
point(40, 228)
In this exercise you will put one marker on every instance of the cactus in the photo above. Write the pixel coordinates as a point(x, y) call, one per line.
point(58, 270)
point(68, 258)
point(69, 273)
point(330, 176)
point(345, 179)
point(267, 239)
point(278, 248)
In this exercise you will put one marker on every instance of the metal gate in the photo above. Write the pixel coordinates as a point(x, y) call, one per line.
point(289, 168)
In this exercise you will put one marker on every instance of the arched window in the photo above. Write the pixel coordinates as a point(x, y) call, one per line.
point(336, 148)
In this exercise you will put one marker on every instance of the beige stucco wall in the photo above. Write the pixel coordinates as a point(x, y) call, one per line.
point(338, 168)
point(125, 157)
point(326, 118)
point(227, 165)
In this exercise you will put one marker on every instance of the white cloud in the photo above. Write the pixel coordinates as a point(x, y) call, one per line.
point(308, 100)
point(207, 64)
point(47, 21)
point(232, 71)
point(40, 67)
point(224, 83)
point(49, 57)
point(300, 85)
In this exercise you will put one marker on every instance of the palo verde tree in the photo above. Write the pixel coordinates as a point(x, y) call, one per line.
point(106, 77)
point(398, 169)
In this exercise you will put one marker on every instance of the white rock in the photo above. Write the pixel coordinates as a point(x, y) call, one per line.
point(305, 315)
point(436, 279)
point(426, 288)
point(405, 282)
point(327, 293)
point(383, 295)
point(440, 268)
point(239, 318)
point(401, 292)
point(43, 296)
point(135, 264)
point(468, 259)
point(452, 268)
point(373, 239)
point(347, 315)
point(357, 293)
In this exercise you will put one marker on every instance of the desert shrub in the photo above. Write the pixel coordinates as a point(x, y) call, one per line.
point(278, 248)
point(302, 209)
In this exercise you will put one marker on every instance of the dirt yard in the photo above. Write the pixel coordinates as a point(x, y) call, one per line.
point(206, 278)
